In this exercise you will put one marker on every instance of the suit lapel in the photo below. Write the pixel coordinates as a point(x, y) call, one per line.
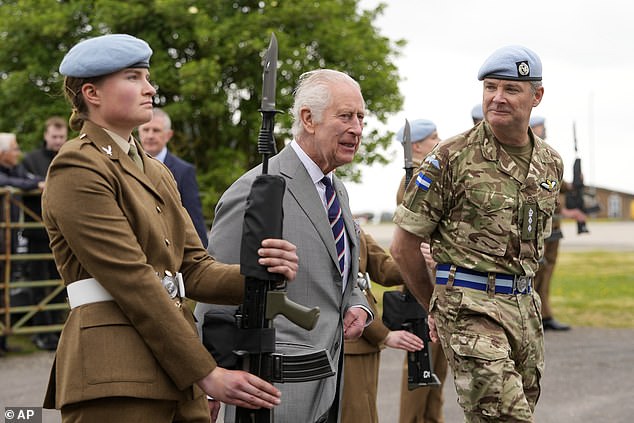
point(297, 179)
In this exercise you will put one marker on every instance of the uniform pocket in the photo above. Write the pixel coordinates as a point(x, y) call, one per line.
point(479, 363)
point(112, 350)
point(486, 221)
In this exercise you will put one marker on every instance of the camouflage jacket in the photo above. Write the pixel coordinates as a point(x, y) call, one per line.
point(479, 210)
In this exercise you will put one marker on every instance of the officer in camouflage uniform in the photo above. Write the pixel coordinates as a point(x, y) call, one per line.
point(486, 198)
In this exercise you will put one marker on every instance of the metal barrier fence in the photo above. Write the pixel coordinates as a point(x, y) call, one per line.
point(15, 261)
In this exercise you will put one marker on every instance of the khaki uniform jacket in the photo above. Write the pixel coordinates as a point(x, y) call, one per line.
point(108, 220)
point(382, 269)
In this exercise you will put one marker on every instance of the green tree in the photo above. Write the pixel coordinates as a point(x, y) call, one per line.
point(206, 67)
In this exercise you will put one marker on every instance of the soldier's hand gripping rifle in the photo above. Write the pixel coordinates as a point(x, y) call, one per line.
point(401, 311)
point(576, 198)
point(265, 295)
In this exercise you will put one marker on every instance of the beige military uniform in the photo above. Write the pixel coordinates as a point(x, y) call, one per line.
point(362, 355)
point(109, 220)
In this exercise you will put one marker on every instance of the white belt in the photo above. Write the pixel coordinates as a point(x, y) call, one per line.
point(86, 291)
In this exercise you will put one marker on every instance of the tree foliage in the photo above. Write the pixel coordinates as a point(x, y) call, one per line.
point(206, 66)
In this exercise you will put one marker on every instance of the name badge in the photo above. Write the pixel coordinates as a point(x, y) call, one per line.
point(529, 225)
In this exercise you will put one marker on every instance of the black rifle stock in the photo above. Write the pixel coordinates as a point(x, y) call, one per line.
point(265, 294)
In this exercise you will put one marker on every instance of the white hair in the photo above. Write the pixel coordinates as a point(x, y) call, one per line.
point(6, 139)
point(314, 91)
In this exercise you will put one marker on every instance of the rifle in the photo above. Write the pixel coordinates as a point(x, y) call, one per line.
point(265, 294)
point(576, 198)
point(401, 311)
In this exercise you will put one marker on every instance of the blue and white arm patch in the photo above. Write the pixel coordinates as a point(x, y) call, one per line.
point(423, 181)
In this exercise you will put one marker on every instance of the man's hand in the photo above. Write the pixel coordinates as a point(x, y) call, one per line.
point(239, 388)
point(404, 340)
point(575, 214)
point(433, 334)
point(279, 256)
point(354, 322)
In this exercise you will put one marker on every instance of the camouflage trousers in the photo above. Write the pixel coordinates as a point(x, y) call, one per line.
point(494, 344)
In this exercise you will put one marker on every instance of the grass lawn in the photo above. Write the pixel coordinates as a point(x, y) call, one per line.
point(588, 289)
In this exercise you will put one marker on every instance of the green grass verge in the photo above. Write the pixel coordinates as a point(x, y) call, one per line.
point(594, 288)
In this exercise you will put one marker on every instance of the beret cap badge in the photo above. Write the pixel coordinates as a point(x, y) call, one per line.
point(523, 69)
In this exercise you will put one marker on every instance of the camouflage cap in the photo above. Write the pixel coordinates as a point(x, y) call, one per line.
point(515, 63)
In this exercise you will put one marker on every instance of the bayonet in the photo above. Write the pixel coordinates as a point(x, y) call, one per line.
point(266, 140)
point(407, 153)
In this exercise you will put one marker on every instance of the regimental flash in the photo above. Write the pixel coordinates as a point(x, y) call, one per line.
point(423, 181)
point(548, 184)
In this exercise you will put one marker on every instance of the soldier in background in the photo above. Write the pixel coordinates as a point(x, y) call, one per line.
point(362, 355)
point(424, 404)
point(476, 114)
point(486, 198)
point(551, 244)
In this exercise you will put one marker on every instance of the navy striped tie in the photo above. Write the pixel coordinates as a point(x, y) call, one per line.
point(336, 220)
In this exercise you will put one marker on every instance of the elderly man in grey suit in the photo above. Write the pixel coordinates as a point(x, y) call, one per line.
point(328, 116)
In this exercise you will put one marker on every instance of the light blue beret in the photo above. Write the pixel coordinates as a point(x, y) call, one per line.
point(516, 63)
point(419, 130)
point(536, 120)
point(477, 113)
point(104, 55)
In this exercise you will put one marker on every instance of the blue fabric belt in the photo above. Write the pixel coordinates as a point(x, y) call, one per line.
point(466, 278)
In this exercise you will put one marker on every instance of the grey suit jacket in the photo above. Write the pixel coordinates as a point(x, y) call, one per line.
point(318, 282)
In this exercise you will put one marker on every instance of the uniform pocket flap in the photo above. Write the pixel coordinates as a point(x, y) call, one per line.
point(489, 200)
point(102, 314)
point(478, 346)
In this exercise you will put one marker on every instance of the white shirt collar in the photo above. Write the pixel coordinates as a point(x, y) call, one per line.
point(161, 155)
point(316, 175)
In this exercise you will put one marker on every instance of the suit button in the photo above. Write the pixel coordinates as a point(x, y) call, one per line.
point(167, 242)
